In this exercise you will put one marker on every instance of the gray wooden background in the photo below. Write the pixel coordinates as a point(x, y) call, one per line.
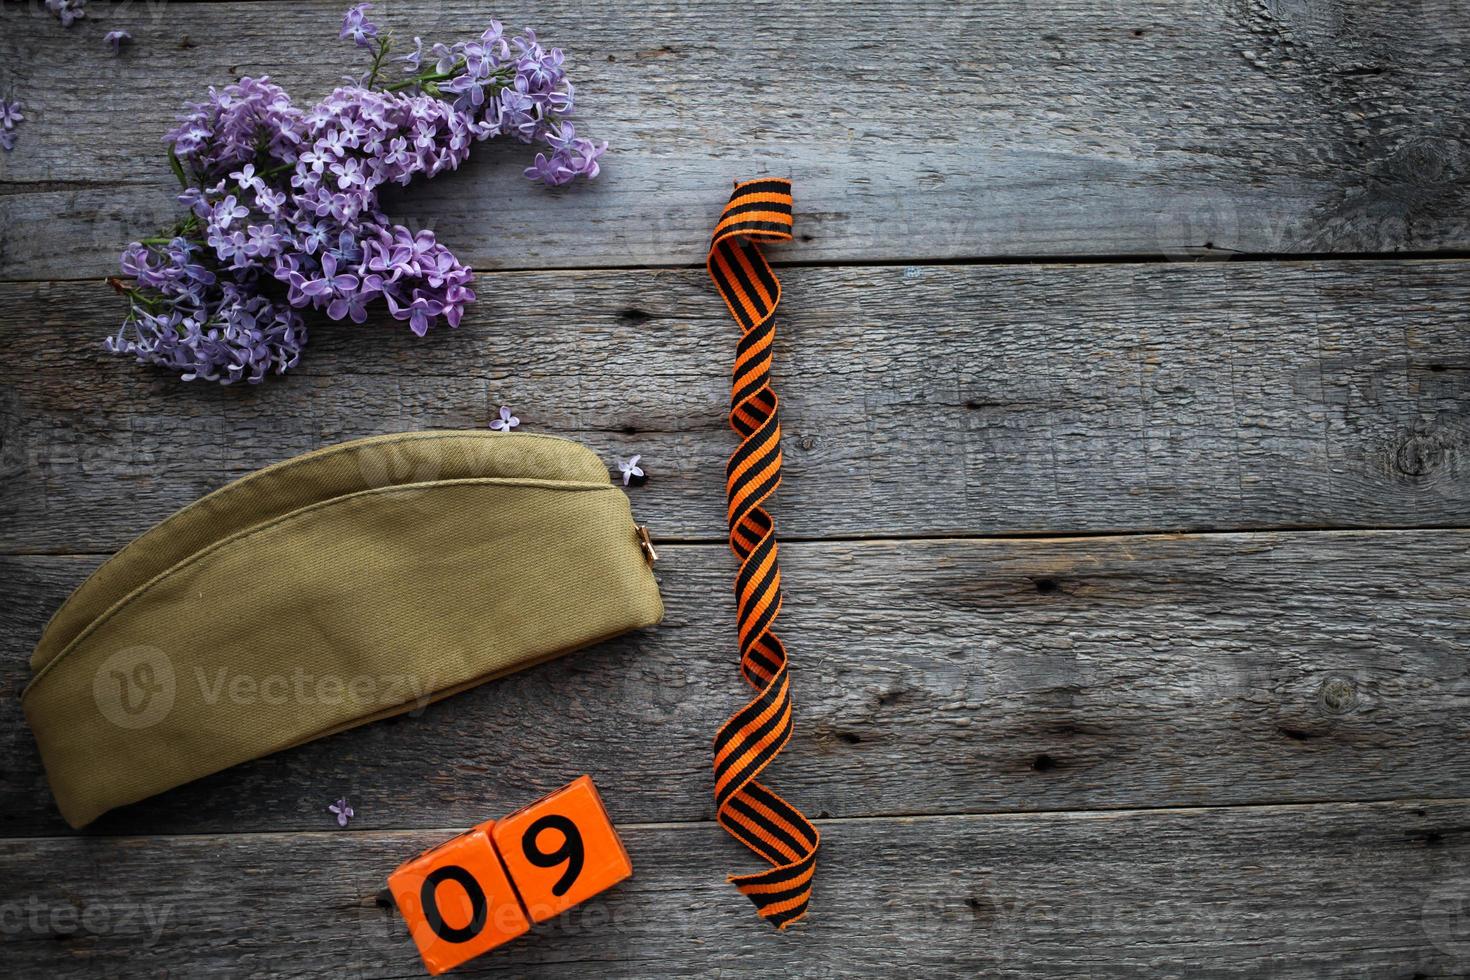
point(1126, 585)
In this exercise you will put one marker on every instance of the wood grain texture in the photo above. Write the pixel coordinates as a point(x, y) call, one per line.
point(912, 130)
point(932, 400)
point(1224, 755)
point(931, 677)
point(1292, 892)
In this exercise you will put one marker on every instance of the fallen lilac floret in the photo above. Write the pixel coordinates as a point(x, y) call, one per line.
point(10, 117)
point(506, 422)
point(67, 11)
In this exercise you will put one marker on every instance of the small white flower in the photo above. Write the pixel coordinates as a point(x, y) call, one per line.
point(506, 422)
point(629, 468)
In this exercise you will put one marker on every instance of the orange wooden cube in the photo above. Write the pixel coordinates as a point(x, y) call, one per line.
point(457, 900)
point(562, 850)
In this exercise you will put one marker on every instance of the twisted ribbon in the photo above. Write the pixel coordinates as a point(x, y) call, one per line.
point(747, 743)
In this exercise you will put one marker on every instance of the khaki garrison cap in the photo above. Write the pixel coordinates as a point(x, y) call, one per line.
point(352, 583)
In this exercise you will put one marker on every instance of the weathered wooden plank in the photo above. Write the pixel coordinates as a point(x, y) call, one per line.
point(931, 677)
point(929, 400)
point(1331, 890)
point(913, 130)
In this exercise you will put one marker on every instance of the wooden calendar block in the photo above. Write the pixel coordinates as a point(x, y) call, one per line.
point(457, 900)
point(562, 850)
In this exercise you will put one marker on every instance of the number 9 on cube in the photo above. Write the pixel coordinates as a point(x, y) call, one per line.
point(561, 850)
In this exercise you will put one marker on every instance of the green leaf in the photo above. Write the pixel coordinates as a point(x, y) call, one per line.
point(176, 166)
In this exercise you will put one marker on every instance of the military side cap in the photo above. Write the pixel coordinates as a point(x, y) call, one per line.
point(349, 584)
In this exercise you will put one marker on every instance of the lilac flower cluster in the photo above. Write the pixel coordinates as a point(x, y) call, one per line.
point(284, 210)
point(203, 324)
point(514, 88)
point(10, 117)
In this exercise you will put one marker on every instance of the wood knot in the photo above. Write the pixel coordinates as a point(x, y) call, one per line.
point(1337, 695)
point(1425, 161)
point(1418, 454)
point(982, 908)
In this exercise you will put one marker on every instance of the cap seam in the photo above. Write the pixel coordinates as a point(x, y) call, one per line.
point(352, 445)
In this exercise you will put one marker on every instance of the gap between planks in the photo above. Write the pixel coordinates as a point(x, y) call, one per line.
point(1203, 256)
point(1035, 537)
point(1094, 813)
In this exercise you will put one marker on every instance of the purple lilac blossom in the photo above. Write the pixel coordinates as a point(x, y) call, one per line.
point(413, 61)
point(67, 11)
point(356, 26)
point(10, 117)
point(115, 40)
point(342, 811)
point(230, 129)
point(515, 88)
point(507, 420)
point(202, 325)
point(630, 469)
point(284, 207)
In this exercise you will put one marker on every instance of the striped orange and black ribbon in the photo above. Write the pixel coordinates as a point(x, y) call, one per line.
point(746, 744)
